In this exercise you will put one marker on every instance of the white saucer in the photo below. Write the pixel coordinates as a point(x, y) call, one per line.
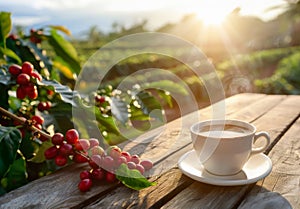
point(257, 167)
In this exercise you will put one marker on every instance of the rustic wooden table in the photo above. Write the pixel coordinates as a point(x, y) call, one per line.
point(276, 114)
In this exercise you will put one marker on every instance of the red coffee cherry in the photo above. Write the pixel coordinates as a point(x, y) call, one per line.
point(15, 69)
point(61, 160)
point(99, 99)
point(21, 94)
point(34, 36)
point(131, 165)
point(50, 92)
point(57, 139)
point(29, 87)
point(85, 185)
point(94, 142)
point(27, 68)
point(98, 174)
point(37, 119)
point(23, 79)
point(147, 164)
point(115, 152)
point(65, 149)
point(51, 152)
point(33, 94)
point(110, 177)
point(119, 161)
point(79, 158)
point(140, 168)
point(82, 144)
point(72, 136)
point(85, 175)
point(135, 159)
point(42, 106)
point(97, 159)
point(107, 163)
point(126, 155)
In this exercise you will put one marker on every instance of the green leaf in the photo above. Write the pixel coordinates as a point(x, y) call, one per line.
point(28, 51)
point(106, 123)
point(27, 146)
point(5, 27)
point(10, 139)
point(119, 109)
point(61, 28)
point(168, 85)
point(17, 175)
point(65, 50)
point(8, 52)
point(137, 114)
point(132, 178)
point(65, 93)
point(64, 67)
point(147, 102)
point(166, 97)
point(5, 77)
point(60, 116)
point(14, 103)
point(40, 157)
point(40, 55)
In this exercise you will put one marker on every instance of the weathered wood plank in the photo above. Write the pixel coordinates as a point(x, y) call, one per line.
point(58, 190)
point(255, 110)
point(205, 196)
point(65, 193)
point(283, 185)
point(192, 196)
point(258, 108)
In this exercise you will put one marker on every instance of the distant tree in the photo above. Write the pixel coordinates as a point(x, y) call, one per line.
point(289, 21)
point(94, 34)
point(293, 13)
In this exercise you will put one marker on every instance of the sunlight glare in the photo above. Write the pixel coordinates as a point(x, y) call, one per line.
point(213, 12)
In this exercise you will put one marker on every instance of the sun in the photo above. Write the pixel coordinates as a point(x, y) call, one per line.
point(211, 19)
point(213, 12)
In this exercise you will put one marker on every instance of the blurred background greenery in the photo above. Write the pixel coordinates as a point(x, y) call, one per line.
point(249, 54)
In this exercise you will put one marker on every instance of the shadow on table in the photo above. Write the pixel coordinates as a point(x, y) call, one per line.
point(264, 199)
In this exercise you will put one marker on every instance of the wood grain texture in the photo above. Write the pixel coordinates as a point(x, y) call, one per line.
point(169, 158)
point(282, 187)
point(206, 196)
point(59, 190)
point(266, 122)
point(64, 192)
point(258, 107)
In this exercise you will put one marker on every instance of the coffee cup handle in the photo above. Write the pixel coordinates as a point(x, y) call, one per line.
point(258, 135)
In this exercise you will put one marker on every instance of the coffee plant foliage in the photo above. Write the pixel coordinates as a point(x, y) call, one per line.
point(22, 151)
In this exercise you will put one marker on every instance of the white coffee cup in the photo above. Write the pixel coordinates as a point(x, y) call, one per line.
point(224, 146)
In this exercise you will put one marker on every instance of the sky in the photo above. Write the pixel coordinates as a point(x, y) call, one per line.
point(79, 15)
